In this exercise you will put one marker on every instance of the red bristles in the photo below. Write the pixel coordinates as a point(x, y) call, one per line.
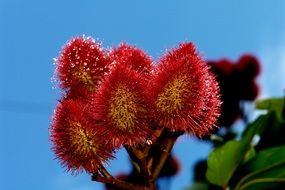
point(81, 63)
point(132, 56)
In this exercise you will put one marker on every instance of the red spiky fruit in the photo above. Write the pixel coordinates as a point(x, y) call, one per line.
point(132, 56)
point(81, 63)
point(180, 92)
point(120, 106)
point(77, 142)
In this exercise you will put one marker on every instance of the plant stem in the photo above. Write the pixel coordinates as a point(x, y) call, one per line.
point(105, 177)
point(139, 158)
point(118, 183)
point(149, 160)
point(166, 147)
point(156, 134)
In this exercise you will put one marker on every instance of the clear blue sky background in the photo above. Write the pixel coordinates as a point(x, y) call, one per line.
point(33, 31)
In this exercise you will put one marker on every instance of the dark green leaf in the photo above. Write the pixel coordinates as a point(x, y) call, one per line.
point(264, 170)
point(257, 127)
point(271, 132)
point(264, 184)
point(271, 104)
point(267, 157)
point(249, 155)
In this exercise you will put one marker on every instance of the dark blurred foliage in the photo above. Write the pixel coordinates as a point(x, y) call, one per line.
point(200, 170)
point(237, 83)
point(273, 134)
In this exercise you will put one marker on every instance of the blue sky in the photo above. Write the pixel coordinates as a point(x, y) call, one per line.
point(33, 31)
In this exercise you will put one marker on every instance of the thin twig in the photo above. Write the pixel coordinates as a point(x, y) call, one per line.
point(117, 183)
point(104, 172)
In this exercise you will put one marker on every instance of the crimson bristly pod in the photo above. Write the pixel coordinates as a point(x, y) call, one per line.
point(132, 56)
point(137, 60)
point(82, 62)
point(180, 91)
point(76, 140)
point(120, 106)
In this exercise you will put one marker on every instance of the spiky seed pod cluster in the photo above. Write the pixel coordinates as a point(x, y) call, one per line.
point(112, 98)
point(184, 92)
point(77, 141)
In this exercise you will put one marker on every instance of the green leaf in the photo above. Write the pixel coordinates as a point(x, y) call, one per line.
point(271, 104)
point(249, 155)
point(224, 160)
point(266, 127)
point(267, 157)
point(264, 184)
point(256, 127)
point(264, 170)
